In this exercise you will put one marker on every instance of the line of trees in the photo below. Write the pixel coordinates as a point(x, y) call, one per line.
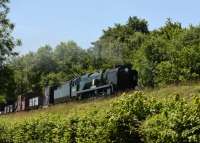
point(169, 54)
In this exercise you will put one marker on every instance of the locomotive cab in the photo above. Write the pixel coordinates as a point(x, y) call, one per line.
point(122, 77)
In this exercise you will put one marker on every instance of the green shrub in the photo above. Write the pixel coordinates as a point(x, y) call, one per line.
point(131, 118)
point(125, 116)
point(178, 122)
point(43, 129)
point(70, 134)
point(92, 128)
point(5, 132)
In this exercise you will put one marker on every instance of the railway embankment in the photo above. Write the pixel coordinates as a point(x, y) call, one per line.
point(170, 114)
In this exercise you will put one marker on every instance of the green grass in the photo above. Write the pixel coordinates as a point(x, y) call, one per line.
point(185, 90)
point(102, 104)
point(65, 109)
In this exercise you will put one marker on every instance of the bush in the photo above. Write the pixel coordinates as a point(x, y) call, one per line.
point(43, 129)
point(125, 117)
point(178, 122)
point(131, 118)
point(92, 128)
point(5, 134)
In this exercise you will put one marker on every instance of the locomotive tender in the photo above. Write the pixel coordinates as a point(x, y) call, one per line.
point(105, 82)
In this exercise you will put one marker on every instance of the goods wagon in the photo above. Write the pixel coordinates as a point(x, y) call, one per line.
point(62, 93)
point(28, 101)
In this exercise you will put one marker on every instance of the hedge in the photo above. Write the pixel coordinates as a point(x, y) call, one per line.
point(131, 118)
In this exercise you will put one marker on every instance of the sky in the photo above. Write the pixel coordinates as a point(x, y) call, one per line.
point(40, 22)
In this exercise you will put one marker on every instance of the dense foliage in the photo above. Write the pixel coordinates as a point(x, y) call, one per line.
point(7, 44)
point(49, 66)
point(167, 55)
point(135, 117)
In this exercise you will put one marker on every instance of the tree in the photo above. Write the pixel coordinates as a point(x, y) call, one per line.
point(70, 58)
point(7, 44)
point(44, 61)
point(7, 41)
point(138, 25)
point(118, 43)
point(7, 85)
point(169, 55)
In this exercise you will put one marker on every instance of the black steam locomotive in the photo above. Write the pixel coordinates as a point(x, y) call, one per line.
point(104, 82)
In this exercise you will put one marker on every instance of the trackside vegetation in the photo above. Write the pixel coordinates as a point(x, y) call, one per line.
point(147, 116)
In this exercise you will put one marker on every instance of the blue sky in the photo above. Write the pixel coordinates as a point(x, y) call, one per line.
point(40, 22)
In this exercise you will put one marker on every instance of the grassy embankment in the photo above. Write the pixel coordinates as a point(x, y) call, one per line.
point(80, 107)
point(170, 114)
